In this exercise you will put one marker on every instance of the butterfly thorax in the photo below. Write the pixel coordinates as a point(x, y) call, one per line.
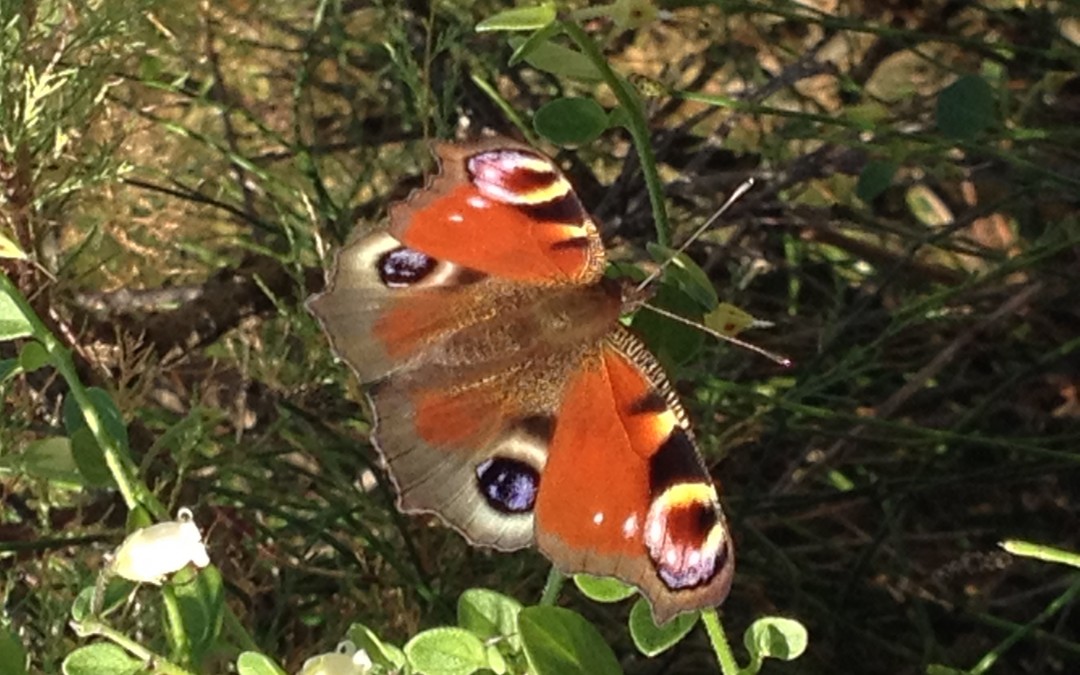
point(505, 323)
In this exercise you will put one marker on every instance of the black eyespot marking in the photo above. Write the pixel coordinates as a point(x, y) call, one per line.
point(509, 170)
point(508, 485)
point(651, 403)
point(565, 209)
point(685, 560)
point(403, 266)
point(539, 427)
point(675, 462)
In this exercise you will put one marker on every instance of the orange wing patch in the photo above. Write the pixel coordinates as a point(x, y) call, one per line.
point(593, 494)
point(503, 211)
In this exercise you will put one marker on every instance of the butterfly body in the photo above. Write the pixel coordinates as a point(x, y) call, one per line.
point(509, 400)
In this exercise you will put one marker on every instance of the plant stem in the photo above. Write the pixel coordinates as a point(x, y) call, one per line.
point(116, 458)
point(157, 663)
point(552, 586)
point(637, 127)
point(719, 641)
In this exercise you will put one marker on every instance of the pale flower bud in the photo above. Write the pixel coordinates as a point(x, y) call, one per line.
point(150, 554)
point(345, 660)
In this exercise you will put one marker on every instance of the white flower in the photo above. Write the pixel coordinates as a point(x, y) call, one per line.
point(150, 554)
point(345, 660)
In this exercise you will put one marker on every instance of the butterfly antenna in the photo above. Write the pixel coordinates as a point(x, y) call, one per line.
point(736, 194)
point(772, 356)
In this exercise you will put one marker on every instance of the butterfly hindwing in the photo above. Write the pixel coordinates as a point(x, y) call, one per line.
point(624, 492)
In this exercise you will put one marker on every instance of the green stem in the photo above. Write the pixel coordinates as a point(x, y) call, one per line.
point(552, 587)
point(116, 458)
point(719, 641)
point(1028, 549)
point(158, 663)
point(1063, 600)
point(639, 130)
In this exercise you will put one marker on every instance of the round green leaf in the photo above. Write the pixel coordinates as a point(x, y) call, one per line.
point(53, 460)
point(102, 658)
point(561, 642)
point(776, 637)
point(254, 663)
point(12, 653)
point(33, 356)
point(875, 178)
point(965, 108)
point(488, 614)
point(117, 591)
point(651, 639)
point(571, 121)
point(603, 589)
point(446, 651)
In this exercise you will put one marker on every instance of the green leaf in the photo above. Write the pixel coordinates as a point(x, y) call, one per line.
point(561, 642)
point(254, 663)
point(965, 108)
point(52, 459)
point(776, 637)
point(8, 368)
point(686, 274)
point(201, 601)
point(446, 651)
point(620, 117)
point(13, 323)
point(102, 658)
point(90, 459)
point(33, 356)
point(116, 594)
point(672, 342)
point(558, 60)
point(531, 43)
point(571, 121)
point(521, 18)
point(875, 178)
point(603, 589)
point(488, 614)
point(651, 639)
point(381, 653)
point(12, 653)
point(107, 412)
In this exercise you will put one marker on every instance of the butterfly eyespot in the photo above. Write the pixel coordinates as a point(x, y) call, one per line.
point(508, 485)
point(685, 537)
point(403, 266)
point(520, 178)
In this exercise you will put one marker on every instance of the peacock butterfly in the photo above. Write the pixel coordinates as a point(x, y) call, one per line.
point(509, 400)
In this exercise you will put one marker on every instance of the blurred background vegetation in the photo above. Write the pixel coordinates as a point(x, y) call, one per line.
point(180, 173)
